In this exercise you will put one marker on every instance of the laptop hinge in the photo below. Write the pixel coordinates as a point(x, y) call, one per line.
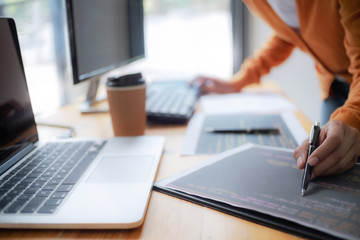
point(22, 151)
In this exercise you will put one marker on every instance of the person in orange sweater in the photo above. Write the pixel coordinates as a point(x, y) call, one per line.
point(329, 31)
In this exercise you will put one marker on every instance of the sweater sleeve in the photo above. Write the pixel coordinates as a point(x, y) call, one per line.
point(273, 53)
point(350, 111)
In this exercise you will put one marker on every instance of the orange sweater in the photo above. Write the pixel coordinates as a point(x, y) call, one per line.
point(329, 32)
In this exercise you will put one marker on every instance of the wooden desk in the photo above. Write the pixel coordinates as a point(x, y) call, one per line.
point(167, 217)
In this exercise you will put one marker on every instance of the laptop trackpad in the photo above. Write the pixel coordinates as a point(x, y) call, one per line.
point(127, 169)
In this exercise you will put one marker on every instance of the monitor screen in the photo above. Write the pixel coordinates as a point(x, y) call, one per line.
point(104, 35)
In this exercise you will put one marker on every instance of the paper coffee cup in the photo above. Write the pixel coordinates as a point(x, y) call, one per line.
point(126, 97)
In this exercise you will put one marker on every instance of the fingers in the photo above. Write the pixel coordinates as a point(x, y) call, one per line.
point(300, 154)
point(199, 80)
point(329, 142)
point(338, 149)
point(214, 85)
point(337, 154)
point(206, 84)
point(334, 163)
point(348, 160)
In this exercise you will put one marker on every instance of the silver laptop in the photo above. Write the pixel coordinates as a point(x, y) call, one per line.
point(74, 183)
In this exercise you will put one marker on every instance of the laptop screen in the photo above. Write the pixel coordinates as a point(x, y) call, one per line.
point(17, 124)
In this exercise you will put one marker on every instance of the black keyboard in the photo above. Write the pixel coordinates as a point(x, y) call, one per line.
point(43, 180)
point(170, 101)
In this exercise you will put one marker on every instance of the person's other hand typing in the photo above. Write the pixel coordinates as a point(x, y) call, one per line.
point(213, 85)
point(337, 152)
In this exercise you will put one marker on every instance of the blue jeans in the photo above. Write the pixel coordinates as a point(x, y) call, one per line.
point(338, 95)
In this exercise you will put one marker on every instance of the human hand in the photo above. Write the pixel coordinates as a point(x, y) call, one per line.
point(337, 152)
point(213, 85)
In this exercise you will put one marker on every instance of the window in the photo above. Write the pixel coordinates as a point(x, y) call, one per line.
point(187, 37)
point(40, 26)
point(183, 38)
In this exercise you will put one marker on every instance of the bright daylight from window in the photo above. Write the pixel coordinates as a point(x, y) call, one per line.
point(183, 38)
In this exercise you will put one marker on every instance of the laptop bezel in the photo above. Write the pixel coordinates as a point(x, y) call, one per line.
point(26, 148)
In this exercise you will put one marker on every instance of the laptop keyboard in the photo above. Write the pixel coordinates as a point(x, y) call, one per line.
point(43, 181)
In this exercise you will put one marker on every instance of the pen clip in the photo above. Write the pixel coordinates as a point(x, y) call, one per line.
point(314, 134)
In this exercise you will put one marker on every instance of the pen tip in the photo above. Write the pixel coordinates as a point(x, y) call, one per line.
point(302, 192)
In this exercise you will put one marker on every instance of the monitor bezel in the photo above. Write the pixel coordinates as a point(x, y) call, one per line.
point(96, 74)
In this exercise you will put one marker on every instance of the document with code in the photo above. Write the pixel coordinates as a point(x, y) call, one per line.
point(263, 184)
point(199, 141)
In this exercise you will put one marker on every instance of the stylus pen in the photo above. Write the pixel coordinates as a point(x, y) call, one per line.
point(313, 143)
point(244, 130)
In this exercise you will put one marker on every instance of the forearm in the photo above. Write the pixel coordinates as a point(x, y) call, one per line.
point(349, 113)
point(274, 52)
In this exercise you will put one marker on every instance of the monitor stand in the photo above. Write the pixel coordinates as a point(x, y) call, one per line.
point(88, 106)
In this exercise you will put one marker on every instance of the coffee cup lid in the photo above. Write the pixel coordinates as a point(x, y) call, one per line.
point(126, 80)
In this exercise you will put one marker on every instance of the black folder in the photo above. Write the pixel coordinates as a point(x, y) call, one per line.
point(256, 217)
point(182, 186)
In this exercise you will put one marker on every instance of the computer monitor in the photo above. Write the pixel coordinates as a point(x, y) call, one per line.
point(104, 35)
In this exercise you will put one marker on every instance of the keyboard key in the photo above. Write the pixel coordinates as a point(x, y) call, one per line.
point(15, 192)
point(22, 185)
point(43, 179)
point(60, 176)
point(43, 193)
point(48, 173)
point(37, 184)
point(28, 180)
point(57, 195)
point(50, 187)
point(64, 188)
point(34, 174)
point(31, 190)
point(5, 201)
point(25, 197)
point(8, 185)
point(3, 191)
point(39, 170)
point(53, 202)
point(33, 204)
point(47, 209)
point(15, 206)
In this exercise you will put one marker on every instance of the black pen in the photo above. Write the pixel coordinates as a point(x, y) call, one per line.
point(244, 130)
point(313, 143)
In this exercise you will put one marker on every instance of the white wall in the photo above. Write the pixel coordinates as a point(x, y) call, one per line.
point(296, 76)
